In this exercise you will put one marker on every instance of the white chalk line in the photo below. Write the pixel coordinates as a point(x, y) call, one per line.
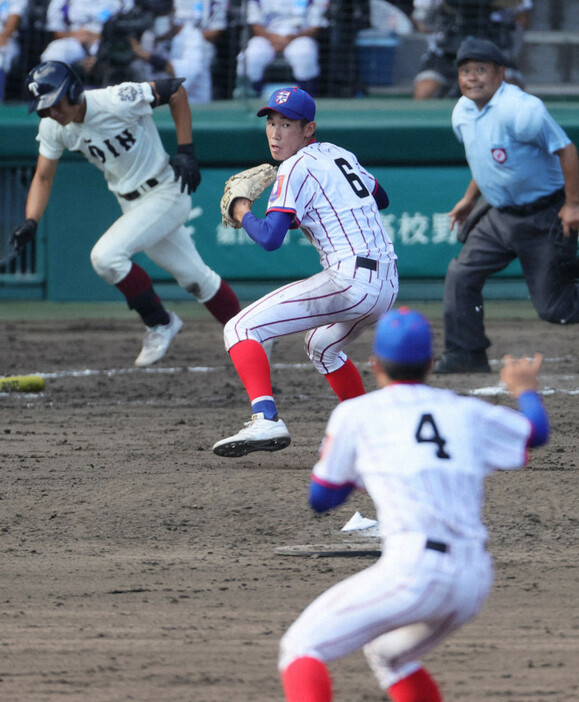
point(489, 391)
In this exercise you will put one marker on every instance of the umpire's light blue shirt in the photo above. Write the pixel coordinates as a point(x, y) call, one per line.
point(510, 146)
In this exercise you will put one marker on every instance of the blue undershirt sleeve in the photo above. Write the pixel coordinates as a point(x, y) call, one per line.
point(381, 197)
point(324, 497)
point(270, 232)
point(531, 405)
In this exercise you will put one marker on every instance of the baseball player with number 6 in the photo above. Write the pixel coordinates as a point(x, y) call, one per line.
point(114, 129)
point(422, 454)
point(322, 189)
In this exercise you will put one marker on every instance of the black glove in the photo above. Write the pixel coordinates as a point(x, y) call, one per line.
point(186, 168)
point(23, 234)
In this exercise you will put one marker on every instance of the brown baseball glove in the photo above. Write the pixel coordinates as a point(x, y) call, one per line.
point(249, 184)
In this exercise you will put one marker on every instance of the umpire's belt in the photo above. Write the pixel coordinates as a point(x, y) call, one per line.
point(137, 193)
point(368, 263)
point(531, 207)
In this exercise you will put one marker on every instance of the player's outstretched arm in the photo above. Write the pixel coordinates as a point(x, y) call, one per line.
point(520, 377)
point(520, 374)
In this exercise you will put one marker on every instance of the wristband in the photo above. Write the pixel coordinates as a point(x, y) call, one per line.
point(186, 149)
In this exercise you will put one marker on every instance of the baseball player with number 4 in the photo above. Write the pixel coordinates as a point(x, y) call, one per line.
point(422, 454)
point(114, 129)
point(322, 189)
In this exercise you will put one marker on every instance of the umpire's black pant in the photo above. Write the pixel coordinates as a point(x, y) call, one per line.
point(496, 240)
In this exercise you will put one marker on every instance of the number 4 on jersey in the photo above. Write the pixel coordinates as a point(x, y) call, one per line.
point(428, 431)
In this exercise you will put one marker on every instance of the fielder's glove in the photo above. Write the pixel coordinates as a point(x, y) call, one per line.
point(249, 184)
point(23, 234)
point(186, 168)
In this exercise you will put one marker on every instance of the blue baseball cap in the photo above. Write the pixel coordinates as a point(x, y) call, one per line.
point(293, 103)
point(403, 336)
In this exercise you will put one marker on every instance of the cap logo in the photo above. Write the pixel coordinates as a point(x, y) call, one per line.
point(499, 155)
point(282, 96)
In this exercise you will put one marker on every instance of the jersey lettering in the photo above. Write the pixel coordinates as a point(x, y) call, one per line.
point(125, 139)
point(97, 153)
point(428, 431)
point(353, 178)
point(111, 148)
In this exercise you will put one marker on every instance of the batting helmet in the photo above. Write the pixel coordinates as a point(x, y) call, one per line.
point(49, 82)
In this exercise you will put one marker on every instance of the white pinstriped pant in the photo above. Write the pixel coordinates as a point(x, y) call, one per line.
point(332, 308)
point(404, 605)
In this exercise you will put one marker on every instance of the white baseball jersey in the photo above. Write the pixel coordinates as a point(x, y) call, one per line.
point(70, 15)
point(422, 454)
point(118, 135)
point(330, 194)
point(282, 17)
point(190, 54)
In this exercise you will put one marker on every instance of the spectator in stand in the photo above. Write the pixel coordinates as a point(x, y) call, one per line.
point(288, 29)
point(77, 27)
point(448, 22)
point(182, 43)
point(11, 12)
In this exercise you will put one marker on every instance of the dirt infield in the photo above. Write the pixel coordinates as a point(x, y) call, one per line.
point(137, 565)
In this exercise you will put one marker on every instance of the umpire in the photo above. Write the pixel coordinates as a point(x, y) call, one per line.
point(526, 169)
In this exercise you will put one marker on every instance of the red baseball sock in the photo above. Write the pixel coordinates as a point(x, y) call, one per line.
point(346, 382)
point(418, 687)
point(252, 366)
point(224, 304)
point(307, 680)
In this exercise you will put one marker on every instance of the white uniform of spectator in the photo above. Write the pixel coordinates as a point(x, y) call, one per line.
point(77, 25)
point(193, 28)
point(283, 28)
point(11, 13)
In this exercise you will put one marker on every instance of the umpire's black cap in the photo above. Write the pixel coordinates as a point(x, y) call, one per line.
point(473, 49)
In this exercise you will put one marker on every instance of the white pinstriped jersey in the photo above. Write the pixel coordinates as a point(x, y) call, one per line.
point(330, 194)
point(422, 454)
point(118, 135)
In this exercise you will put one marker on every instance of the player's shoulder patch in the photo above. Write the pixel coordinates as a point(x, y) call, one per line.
point(129, 92)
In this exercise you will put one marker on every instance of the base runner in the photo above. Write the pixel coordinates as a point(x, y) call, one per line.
point(114, 129)
point(422, 454)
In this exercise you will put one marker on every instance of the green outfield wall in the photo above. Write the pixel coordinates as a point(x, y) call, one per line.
point(410, 148)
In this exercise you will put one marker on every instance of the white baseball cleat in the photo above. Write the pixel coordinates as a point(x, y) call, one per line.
point(259, 434)
point(156, 341)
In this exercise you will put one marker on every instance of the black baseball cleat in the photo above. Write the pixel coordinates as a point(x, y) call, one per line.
point(463, 362)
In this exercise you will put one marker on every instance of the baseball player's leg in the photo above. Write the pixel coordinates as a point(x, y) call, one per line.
point(487, 250)
point(354, 612)
point(302, 56)
point(252, 62)
point(68, 49)
point(144, 223)
point(325, 345)
point(555, 297)
point(288, 310)
point(178, 255)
